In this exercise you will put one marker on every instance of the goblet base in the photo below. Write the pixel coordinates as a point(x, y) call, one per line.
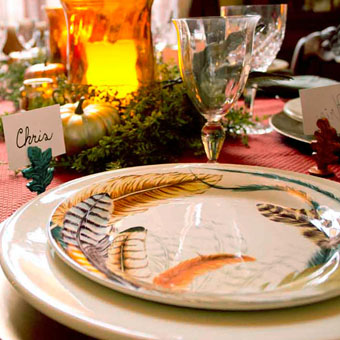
point(213, 136)
point(258, 129)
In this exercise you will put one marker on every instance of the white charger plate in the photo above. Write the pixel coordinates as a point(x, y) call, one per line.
point(64, 295)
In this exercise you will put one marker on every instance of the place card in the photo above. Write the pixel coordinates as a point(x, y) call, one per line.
point(41, 127)
point(320, 102)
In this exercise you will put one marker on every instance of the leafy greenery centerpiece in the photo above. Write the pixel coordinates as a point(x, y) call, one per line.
point(158, 122)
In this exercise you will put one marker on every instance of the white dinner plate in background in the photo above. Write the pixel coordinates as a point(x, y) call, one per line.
point(278, 65)
point(293, 109)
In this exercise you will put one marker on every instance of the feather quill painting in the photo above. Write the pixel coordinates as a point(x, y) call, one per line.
point(87, 220)
point(323, 232)
point(136, 193)
point(127, 254)
point(185, 272)
point(299, 218)
point(187, 233)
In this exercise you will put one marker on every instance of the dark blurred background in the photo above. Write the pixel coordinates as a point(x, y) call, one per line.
point(304, 18)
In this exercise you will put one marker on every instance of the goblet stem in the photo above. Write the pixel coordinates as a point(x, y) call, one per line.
point(213, 136)
point(249, 95)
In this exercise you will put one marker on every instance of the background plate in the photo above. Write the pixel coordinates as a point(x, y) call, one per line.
point(278, 65)
point(289, 127)
point(293, 109)
point(290, 88)
point(307, 82)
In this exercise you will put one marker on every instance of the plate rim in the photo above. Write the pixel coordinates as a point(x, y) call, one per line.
point(283, 133)
point(291, 114)
point(79, 323)
point(305, 78)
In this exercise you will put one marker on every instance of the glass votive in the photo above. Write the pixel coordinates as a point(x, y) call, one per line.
point(36, 93)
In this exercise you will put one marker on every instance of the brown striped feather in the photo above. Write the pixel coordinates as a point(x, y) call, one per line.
point(300, 218)
point(127, 254)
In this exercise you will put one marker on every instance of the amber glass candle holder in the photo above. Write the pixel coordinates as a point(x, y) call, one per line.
point(109, 43)
point(57, 34)
point(36, 93)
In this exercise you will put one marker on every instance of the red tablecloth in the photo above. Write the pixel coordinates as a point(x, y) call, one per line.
point(269, 150)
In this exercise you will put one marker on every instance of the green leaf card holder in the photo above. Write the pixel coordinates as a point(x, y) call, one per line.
point(39, 171)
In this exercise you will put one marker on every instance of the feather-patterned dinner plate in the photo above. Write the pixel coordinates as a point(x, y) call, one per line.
point(204, 236)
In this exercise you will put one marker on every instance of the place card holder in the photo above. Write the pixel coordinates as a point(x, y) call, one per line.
point(32, 138)
point(325, 145)
point(39, 171)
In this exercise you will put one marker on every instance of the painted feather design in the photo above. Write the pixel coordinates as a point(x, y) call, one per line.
point(300, 218)
point(73, 251)
point(297, 217)
point(184, 273)
point(87, 217)
point(86, 231)
point(137, 193)
point(87, 222)
point(127, 254)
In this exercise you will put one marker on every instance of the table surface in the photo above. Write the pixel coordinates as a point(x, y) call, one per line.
point(18, 320)
point(268, 150)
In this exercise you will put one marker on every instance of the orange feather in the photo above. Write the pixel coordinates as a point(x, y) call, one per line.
point(183, 273)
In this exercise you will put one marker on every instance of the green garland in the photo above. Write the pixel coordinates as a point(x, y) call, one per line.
point(159, 123)
point(155, 129)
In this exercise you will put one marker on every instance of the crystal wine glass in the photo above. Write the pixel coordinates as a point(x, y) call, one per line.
point(163, 31)
point(3, 38)
point(27, 33)
point(214, 58)
point(267, 43)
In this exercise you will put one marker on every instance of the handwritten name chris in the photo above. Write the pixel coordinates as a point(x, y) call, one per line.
point(333, 112)
point(25, 137)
